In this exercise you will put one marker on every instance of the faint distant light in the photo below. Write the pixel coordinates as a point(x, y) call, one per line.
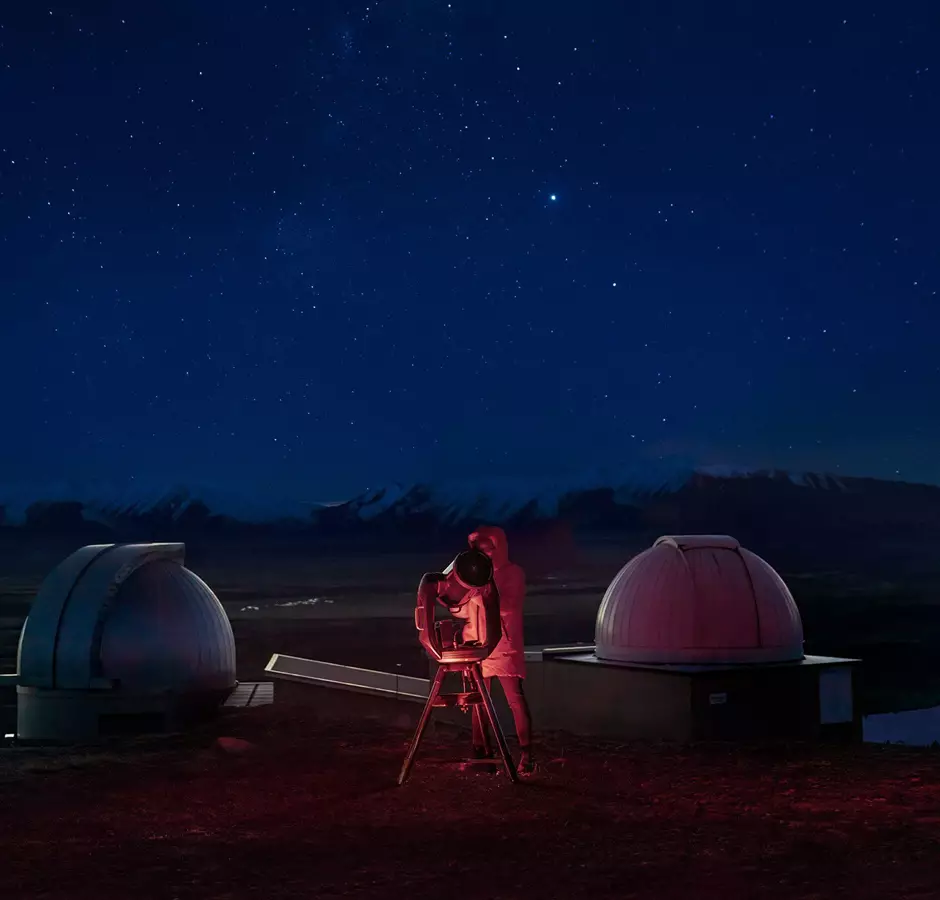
point(615, 284)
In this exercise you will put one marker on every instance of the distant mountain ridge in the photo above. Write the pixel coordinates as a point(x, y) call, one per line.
point(110, 504)
point(601, 498)
point(512, 499)
point(802, 521)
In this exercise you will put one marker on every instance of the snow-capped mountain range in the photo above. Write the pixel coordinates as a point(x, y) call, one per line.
point(501, 499)
point(105, 502)
point(800, 519)
point(508, 498)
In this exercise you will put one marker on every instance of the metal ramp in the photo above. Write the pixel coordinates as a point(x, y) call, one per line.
point(348, 678)
point(250, 694)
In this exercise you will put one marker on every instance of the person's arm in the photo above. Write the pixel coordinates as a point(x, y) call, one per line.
point(489, 601)
point(512, 600)
point(493, 592)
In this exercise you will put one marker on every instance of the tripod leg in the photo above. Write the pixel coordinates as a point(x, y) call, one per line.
point(485, 731)
point(478, 728)
point(422, 724)
point(494, 724)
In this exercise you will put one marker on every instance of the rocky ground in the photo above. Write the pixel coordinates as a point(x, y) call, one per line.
point(278, 802)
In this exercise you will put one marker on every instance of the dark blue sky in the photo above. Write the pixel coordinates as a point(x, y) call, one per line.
point(328, 245)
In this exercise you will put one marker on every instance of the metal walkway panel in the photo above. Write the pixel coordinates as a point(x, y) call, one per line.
point(348, 678)
point(251, 693)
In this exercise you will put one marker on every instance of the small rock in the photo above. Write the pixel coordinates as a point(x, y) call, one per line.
point(234, 745)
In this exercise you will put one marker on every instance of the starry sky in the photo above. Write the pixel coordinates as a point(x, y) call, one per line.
point(323, 245)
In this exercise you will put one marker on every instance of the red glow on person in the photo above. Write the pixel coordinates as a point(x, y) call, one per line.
point(507, 661)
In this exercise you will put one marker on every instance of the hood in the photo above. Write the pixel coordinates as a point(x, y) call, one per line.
point(500, 543)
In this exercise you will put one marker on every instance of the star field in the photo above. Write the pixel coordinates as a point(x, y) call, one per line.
point(328, 244)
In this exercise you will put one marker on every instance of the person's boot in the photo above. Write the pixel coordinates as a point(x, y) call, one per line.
point(526, 763)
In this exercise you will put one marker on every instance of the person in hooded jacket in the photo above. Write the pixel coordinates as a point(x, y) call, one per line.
point(507, 661)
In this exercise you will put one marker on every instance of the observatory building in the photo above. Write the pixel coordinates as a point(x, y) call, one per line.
point(121, 638)
point(696, 638)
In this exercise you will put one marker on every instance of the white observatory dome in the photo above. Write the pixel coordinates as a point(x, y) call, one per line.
point(121, 634)
point(698, 599)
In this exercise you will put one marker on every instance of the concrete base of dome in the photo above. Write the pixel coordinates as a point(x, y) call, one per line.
point(815, 698)
point(70, 717)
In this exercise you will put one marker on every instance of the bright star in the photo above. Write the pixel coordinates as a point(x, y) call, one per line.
point(553, 197)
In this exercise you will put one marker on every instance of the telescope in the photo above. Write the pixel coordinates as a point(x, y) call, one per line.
point(463, 592)
point(466, 589)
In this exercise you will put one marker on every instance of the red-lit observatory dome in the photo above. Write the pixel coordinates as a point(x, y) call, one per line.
point(698, 599)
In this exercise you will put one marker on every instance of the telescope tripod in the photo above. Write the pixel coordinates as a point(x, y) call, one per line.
point(474, 694)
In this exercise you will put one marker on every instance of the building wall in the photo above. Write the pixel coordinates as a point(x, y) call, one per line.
point(767, 703)
point(612, 702)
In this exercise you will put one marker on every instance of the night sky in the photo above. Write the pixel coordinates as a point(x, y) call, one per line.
point(325, 245)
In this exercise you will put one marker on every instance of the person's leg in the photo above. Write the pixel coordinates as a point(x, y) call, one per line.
point(522, 717)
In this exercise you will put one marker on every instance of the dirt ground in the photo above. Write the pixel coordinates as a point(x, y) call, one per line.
point(310, 808)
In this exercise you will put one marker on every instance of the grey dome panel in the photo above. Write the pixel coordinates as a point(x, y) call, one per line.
point(37, 647)
point(699, 541)
point(166, 630)
point(76, 657)
point(59, 642)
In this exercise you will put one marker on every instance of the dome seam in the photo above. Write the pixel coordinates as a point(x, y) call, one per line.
point(750, 581)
